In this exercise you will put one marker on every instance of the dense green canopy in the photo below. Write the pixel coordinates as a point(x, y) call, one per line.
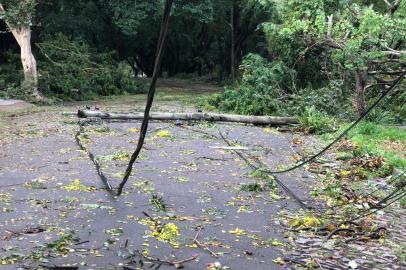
point(295, 54)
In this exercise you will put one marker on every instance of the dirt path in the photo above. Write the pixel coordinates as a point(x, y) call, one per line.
point(13, 105)
point(184, 180)
point(183, 85)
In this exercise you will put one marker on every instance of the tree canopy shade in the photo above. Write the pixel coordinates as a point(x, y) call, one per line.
point(200, 36)
point(200, 40)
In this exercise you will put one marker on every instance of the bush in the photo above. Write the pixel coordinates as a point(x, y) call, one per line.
point(11, 75)
point(330, 100)
point(70, 70)
point(258, 91)
point(270, 88)
point(314, 121)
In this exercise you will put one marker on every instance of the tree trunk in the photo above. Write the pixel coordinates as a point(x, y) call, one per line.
point(22, 35)
point(213, 117)
point(28, 61)
point(360, 83)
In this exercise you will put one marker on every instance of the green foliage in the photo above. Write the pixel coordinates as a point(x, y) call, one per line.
point(314, 121)
point(344, 37)
point(86, 20)
point(14, 91)
point(11, 75)
point(70, 70)
point(18, 12)
point(257, 93)
point(252, 187)
point(370, 30)
point(128, 15)
point(202, 10)
point(331, 100)
point(158, 202)
point(402, 203)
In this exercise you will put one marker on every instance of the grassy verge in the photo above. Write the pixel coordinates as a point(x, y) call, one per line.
point(378, 140)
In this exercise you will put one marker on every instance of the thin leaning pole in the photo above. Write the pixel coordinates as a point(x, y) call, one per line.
point(151, 93)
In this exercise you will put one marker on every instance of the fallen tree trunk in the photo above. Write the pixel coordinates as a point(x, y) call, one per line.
point(214, 117)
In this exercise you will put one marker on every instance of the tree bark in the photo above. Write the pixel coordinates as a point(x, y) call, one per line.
point(360, 84)
point(214, 117)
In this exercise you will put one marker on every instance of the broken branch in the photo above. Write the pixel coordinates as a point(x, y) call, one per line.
point(204, 247)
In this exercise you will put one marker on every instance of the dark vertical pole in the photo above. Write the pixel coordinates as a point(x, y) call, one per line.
point(232, 43)
point(151, 94)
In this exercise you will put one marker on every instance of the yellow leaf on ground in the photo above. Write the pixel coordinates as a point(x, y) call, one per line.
point(76, 185)
point(134, 130)
point(164, 133)
point(276, 242)
point(310, 221)
point(238, 232)
point(279, 260)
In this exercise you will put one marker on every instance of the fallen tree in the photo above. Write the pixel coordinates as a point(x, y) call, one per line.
point(212, 117)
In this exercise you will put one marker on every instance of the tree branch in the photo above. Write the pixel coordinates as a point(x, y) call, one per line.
point(392, 7)
point(388, 4)
point(330, 26)
point(333, 44)
point(394, 52)
point(382, 81)
point(384, 72)
point(398, 61)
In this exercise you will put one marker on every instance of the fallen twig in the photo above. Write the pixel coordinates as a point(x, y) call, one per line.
point(204, 247)
point(81, 243)
point(59, 267)
point(12, 234)
point(229, 147)
point(340, 230)
point(176, 264)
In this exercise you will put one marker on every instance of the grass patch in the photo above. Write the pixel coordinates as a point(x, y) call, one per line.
point(378, 140)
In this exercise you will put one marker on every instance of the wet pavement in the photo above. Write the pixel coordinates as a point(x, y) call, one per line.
point(185, 181)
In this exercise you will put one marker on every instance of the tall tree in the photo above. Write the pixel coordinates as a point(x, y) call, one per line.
point(18, 16)
point(365, 40)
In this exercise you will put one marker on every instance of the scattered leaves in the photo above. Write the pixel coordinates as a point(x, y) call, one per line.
point(305, 222)
point(76, 185)
point(238, 232)
point(164, 134)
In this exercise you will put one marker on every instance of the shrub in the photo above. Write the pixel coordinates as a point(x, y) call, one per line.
point(11, 75)
point(314, 121)
point(258, 91)
point(70, 70)
point(270, 88)
point(331, 100)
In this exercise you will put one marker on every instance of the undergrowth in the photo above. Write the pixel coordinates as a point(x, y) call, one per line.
point(314, 121)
